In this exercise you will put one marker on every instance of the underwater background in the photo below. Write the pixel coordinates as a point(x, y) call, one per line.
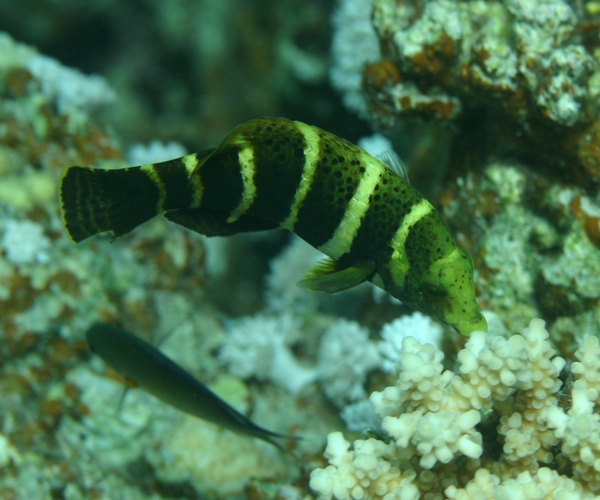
point(493, 106)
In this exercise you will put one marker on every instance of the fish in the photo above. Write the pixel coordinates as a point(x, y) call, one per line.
point(269, 173)
point(143, 365)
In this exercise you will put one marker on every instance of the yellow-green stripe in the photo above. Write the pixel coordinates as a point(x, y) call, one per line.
point(341, 241)
point(150, 171)
point(248, 169)
point(399, 258)
point(312, 155)
point(191, 162)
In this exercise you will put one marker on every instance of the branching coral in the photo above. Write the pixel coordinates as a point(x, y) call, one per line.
point(578, 429)
point(364, 471)
point(346, 355)
point(509, 384)
point(260, 346)
point(416, 325)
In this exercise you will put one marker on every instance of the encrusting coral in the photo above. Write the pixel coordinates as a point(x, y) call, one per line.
point(495, 428)
point(524, 74)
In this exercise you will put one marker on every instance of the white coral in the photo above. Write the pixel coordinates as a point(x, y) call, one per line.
point(360, 415)
point(259, 347)
point(436, 436)
point(346, 356)
point(354, 45)
point(545, 484)
point(70, 89)
point(432, 414)
point(578, 429)
point(437, 18)
point(287, 269)
point(364, 472)
point(415, 325)
point(154, 152)
point(25, 242)
point(587, 369)
point(421, 383)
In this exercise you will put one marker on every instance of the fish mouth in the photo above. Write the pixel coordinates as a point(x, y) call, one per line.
point(466, 328)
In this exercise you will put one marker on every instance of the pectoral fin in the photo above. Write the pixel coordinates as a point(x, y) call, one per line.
point(327, 276)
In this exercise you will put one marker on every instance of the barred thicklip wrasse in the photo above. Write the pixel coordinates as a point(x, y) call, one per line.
point(276, 173)
point(143, 364)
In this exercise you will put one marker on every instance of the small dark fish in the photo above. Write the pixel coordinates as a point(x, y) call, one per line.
point(147, 367)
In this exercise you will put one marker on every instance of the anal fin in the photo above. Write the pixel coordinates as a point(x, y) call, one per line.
point(327, 276)
point(214, 223)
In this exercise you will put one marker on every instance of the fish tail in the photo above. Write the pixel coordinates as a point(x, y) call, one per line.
point(94, 200)
point(97, 200)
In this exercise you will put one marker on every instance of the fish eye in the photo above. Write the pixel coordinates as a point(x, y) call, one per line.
point(434, 290)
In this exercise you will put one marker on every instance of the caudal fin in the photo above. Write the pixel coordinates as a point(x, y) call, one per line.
point(95, 200)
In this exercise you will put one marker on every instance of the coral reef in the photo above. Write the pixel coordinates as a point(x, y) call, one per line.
point(501, 415)
point(346, 356)
point(353, 29)
point(259, 346)
point(417, 325)
point(62, 432)
point(521, 74)
point(496, 82)
point(494, 427)
point(533, 241)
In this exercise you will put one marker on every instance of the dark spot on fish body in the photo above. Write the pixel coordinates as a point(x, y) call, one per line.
point(417, 249)
point(332, 187)
point(382, 219)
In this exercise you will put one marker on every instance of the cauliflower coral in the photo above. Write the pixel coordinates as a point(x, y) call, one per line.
point(493, 429)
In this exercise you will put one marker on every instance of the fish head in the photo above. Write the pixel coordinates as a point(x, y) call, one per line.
point(448, 291)
point(442, 289)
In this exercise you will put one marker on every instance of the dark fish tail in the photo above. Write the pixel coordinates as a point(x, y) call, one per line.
point(95, 200)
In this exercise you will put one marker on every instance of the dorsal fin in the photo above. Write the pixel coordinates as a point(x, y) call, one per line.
point(392, 161)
